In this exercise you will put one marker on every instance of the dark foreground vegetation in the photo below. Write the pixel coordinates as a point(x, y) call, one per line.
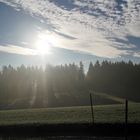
point(70, 138)
point(68, 85)
point(105, 129)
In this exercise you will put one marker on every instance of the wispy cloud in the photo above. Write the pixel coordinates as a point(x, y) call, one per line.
point(137, 54)
point(98, 27)
point(18, 50)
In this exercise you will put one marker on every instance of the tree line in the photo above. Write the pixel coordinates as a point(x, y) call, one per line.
point(67, 85)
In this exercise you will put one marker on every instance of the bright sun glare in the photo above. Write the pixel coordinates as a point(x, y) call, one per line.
point(44, 44)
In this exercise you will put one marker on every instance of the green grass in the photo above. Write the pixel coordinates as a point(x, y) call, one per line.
point(103, 114)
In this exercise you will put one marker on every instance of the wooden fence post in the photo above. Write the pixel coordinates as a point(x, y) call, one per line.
point(126, 118)
point(92, 112)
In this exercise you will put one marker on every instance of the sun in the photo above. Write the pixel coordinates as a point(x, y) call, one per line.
point(42, 47)
point(44, 44)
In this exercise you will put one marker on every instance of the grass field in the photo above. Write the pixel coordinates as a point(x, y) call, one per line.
point(103, 114)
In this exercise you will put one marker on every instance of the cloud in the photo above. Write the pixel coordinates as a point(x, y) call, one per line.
point(98, 27)
point(18, 50)
point(137, 54)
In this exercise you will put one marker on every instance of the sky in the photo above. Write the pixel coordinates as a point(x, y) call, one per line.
point(36, 32)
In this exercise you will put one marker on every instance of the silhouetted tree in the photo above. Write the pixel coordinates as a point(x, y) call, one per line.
point(67, 85)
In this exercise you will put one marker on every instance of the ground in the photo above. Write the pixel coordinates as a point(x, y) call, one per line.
point(82, 114)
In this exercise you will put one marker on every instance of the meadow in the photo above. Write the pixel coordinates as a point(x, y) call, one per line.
point(71, 115)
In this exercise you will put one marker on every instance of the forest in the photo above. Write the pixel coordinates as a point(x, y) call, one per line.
point(67, 85)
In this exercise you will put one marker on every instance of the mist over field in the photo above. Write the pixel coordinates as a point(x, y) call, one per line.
point(69, 85)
